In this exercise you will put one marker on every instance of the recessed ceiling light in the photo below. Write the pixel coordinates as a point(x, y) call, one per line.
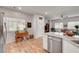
point(46, 13)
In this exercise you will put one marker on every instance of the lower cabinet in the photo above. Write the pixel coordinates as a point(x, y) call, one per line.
point(58, 45)
point(45, 42)
point(69, 48)
point(54, 44)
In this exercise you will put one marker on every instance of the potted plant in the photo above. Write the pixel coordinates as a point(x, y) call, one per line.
point(76, 26)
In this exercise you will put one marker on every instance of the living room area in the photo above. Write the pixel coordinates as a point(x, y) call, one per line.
point(19, 30)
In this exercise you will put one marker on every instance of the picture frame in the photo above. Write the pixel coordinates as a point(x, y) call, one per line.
point(29, 25)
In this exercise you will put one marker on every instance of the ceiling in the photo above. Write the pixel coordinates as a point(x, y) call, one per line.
point(48, 11)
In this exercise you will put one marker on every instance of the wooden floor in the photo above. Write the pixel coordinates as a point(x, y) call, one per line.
point(26, 46)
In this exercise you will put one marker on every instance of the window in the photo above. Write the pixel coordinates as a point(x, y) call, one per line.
point(21, 25)
point(13, 24)
point(72, 24)
point(58, 25)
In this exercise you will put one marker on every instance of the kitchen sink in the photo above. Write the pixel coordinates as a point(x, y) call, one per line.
point(76, 41)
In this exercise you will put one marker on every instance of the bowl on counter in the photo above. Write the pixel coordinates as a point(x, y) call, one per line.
point(69, 33)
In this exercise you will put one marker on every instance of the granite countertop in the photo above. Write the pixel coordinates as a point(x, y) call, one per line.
point(67, 38)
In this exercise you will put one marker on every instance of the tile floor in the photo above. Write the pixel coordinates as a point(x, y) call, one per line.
point(26, 46)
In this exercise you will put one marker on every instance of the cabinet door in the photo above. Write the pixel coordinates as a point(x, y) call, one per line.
point(54, 45)
point(45, 42)
point(50, 45)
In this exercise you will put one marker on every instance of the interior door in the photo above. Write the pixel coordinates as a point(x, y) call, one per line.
point(40, 27)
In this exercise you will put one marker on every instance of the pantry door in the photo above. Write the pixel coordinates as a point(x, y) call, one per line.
point(40, 27)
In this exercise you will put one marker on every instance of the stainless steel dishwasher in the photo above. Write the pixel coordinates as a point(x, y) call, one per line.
point(54, 44)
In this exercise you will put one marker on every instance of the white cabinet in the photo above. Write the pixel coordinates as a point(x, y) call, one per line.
point(45, 42)
point(69, 48)
point(54, 44)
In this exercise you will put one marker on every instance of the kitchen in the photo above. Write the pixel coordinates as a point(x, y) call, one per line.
point(64, 37)
point(56, 26)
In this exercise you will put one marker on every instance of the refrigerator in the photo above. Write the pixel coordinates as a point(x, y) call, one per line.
point(2, 39)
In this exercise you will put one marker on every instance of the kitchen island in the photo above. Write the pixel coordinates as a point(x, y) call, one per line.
point(56, 42)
